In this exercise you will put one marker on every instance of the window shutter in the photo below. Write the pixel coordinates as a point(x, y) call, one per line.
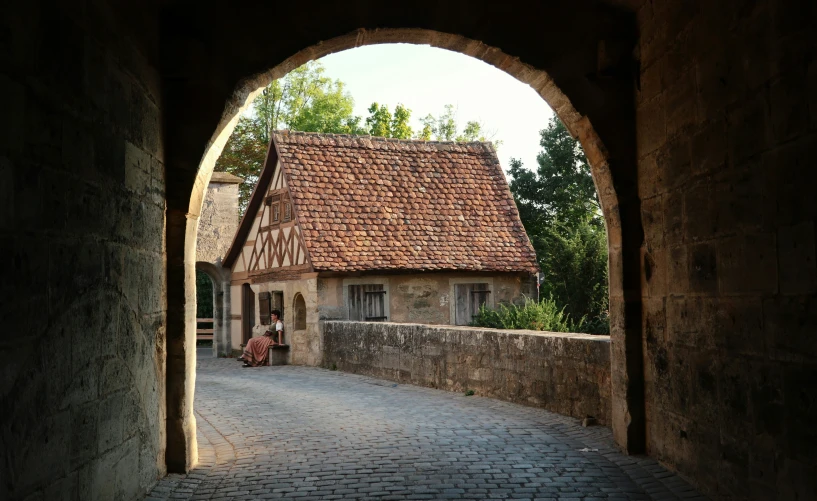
point(367, 302)
point(287, 210)
point(354, 302)
point(461, 314)
point(277, 300)
point(469, 297)
point(264, 307)
point(374, 302)
point(479, 296)
point(276, 208)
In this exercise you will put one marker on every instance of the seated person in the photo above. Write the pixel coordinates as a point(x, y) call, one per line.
point(257, 348)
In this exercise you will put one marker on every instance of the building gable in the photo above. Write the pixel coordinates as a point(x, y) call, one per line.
point(365, 203)
point(273, 246)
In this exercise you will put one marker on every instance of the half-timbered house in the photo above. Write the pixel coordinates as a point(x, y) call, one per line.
point(374, 229)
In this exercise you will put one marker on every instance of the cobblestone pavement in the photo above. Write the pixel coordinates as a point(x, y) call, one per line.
point(306, 433)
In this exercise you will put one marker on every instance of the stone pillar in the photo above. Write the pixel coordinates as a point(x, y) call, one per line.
point(221, 314)
point(622, 216)
point(182, 452)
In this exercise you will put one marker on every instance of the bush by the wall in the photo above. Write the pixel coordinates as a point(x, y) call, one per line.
point(544, 315)
point(574, 263)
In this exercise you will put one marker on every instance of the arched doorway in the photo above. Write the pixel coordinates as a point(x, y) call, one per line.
point(247, 313)
point(619, 203)
point(220, 278)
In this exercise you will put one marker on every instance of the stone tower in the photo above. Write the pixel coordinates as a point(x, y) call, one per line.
point(219, 218)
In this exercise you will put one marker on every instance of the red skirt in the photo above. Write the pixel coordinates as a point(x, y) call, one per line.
point(257, 350)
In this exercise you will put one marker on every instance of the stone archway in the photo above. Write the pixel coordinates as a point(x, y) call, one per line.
point(221, 306)
point(623, 239)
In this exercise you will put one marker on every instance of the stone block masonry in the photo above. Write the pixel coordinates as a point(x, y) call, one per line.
point(219, 218)
point(702, 160)
point(726, 149)
point(82, 184)
point(560, 372)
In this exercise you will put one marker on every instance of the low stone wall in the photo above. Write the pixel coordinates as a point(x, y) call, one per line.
point(564, 373)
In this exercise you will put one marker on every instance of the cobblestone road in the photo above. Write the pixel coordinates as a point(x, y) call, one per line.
point(306, 433)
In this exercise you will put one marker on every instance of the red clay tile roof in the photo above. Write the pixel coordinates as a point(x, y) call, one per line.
point(368, 203)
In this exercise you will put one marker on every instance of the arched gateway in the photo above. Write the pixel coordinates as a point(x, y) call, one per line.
point(628, 412)
point(698, 119)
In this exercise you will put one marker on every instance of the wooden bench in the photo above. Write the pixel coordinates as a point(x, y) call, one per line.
point(204, 334)
point(278, 354)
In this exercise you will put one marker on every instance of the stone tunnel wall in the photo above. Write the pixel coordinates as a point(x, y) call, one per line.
point(81, 232)
point(726, 136)
point(727, 140)
point(564, 373)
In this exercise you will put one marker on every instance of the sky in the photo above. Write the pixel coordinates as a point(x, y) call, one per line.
point(425, 79)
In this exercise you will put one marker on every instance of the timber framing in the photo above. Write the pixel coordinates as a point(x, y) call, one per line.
point(252, 208)
point(273, 244)
point(287, 273)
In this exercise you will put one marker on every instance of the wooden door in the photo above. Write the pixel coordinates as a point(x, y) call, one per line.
point(247, 313)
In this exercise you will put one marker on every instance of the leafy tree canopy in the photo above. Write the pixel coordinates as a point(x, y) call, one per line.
point(444, 127)
point(309, 101)
point(305, 100)
point(400, 127)
point(382, 123)
point(561, 189)
point(560, 210)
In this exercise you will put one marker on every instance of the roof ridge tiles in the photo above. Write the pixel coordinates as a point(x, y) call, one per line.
point(289, 132)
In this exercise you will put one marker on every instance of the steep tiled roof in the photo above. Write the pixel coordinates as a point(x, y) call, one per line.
point(367, 203)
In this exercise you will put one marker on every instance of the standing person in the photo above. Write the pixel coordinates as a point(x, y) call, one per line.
point(257, 349)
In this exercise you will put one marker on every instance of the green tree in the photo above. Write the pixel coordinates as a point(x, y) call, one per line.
point(379, 120)
point(574, 264)
point(559, 208)
point(382, 123)
point(561, 189)
point(445, 127)
point(427, 130)
point(442, 127)
point(304, 100)
point(400, 127)
point(472, 132)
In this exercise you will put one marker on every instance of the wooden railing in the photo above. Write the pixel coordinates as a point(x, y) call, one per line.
point(204, 334)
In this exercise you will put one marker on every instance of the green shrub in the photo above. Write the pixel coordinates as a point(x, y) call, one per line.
point(574, 263)
point(542, 316)
point(597, 325)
